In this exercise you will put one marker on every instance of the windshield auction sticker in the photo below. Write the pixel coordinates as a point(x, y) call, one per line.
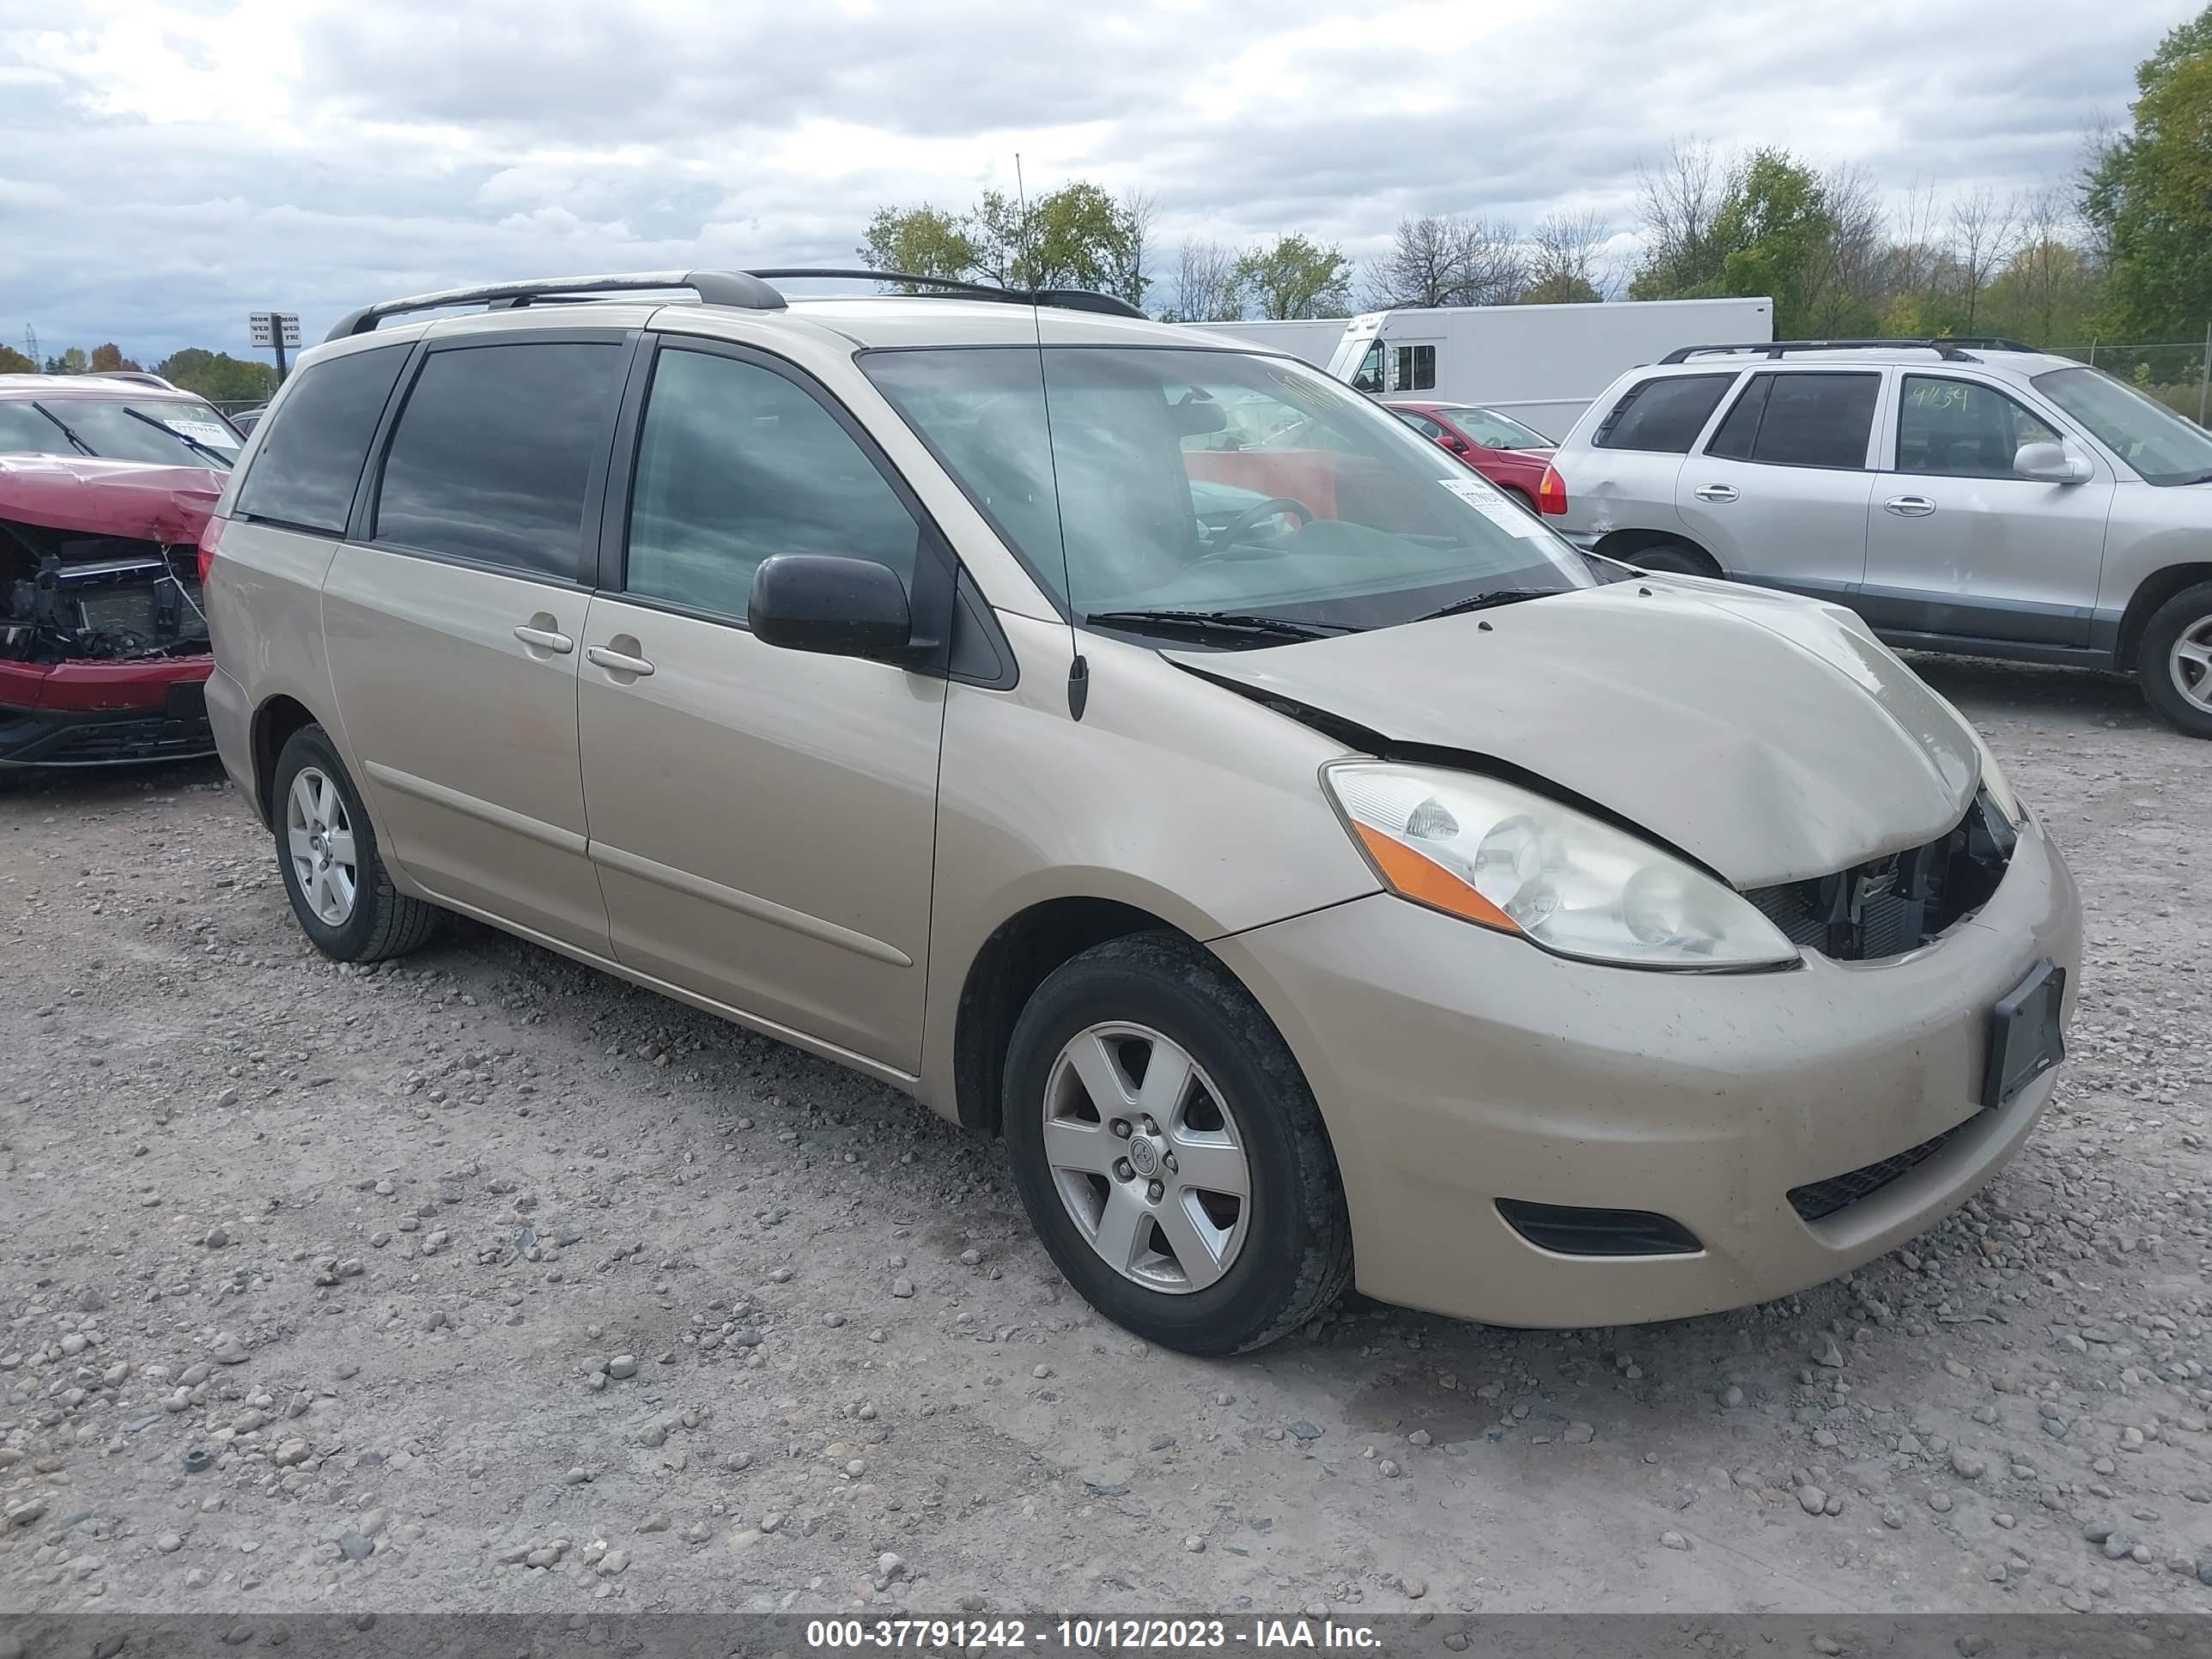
point(1495, 508)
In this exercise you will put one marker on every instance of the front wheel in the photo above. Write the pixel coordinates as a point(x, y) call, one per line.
point(342, 895)
point(2174, 663)
point(1674, 558)
point(1168, 1151)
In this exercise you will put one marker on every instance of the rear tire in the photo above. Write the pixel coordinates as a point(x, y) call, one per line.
point(1196, 1267)
point(2173, 661)
point(341, 893)
point(1673, 559)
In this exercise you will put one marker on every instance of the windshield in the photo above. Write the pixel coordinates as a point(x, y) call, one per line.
point(1215, 482)
point(1494, 431)
point(2148, 435)
point(168, 431)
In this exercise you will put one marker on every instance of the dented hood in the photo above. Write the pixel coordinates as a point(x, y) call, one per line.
point(1769, 736)
point(97, 497)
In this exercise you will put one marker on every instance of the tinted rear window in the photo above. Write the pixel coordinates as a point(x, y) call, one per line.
point(494, 450)
point(1801, 420)
point(311, 457)
point(1665, 415)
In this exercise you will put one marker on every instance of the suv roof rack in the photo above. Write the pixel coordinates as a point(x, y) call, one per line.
point(1951, 349)
point(749, 289)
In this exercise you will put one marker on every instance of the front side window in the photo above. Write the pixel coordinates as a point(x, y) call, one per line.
point(2149, 436)
point(318, 438)
point(1127, 498)
point(1495, 431)
point(493, 453)
point(1422, 424)
point(1962, 430)
point(1416, 368)
point(1801, 420)
point(1368, 377)
point(1664, 415)
point(734, 464)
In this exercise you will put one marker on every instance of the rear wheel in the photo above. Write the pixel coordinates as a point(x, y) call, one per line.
point(341, 893)
point(1169, 1153)
point(1675, 558)
point(2174, 662)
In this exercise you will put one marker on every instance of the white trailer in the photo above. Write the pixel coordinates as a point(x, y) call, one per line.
point(1310, 339)
point(1541, 365)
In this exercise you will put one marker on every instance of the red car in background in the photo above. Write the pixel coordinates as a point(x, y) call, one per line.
point(1511, 455)
point(105, 485)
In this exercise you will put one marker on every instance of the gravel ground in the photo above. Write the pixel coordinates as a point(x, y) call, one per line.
point(482, 1281)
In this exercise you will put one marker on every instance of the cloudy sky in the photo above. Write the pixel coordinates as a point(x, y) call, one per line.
point(167, 165)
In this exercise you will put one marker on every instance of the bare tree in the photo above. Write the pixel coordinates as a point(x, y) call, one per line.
point(1563, 260)
point(1679, 203)
point(1447, 260)
point(1916, 259)
point(1207, 286)
point(1141, 211)
point(1847, 285)
point(1984, 234)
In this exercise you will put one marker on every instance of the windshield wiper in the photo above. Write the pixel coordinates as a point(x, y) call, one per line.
point(1220, 621)
point(1488, 598)
point(82, 448)
point(209, 450)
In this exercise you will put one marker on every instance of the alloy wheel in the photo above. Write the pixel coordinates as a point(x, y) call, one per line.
point(2191, 663)
point(1145, 1155)
point(318, 837)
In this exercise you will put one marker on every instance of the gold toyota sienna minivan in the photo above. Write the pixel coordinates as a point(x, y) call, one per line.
point(1145, 750)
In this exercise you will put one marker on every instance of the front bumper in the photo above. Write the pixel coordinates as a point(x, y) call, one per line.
point(104, 713)
point(1455, 1066)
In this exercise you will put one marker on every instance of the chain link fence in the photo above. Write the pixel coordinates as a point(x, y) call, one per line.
point(2177, 373)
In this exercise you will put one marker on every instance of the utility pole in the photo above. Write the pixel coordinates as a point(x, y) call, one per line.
point(2204, 385)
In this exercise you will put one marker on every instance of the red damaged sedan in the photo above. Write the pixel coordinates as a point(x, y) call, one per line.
point(1511, 455)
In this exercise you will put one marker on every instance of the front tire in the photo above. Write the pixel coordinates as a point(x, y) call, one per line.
point(1673, 559)
point(2173, 661)
point(1213, 1221)
point(341, 893)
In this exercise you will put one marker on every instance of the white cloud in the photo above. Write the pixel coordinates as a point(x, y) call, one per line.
point(172, 164)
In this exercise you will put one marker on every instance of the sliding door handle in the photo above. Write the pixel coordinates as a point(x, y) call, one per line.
point(545, 638)
point(617, 662)
point(1910, 507)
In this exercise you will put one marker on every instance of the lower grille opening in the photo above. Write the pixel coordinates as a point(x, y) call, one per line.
point(1817, 1200)
point(1570, 1230)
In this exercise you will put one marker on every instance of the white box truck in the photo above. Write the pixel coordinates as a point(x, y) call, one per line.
point(1540, 365)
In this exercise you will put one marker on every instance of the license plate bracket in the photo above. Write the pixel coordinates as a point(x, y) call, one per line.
point(2026, 1040)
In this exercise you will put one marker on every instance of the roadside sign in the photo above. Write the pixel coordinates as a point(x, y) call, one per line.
point(267, 326)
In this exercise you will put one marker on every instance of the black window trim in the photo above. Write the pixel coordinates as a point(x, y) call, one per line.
point(936, 569)
point(244, 468)
point(1628, 401)
point(361, 523)
point(1703, 450)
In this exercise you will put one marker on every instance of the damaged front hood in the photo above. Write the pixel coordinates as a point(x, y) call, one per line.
point(1767, 735)
point(167, 504)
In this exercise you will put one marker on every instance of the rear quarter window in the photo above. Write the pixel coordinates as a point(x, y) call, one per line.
point(318, 439)
point(1665, 414)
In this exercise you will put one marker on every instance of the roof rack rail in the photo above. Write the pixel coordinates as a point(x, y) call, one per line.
point(1952, 350)
point(714, 287)
point(1066, 299)
point(749, 290)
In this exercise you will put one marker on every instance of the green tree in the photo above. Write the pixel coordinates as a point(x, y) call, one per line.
point(2150, 192)
point(13, 361)
point(924, 241)
point(1292, 277)
point(1560, 287)
point(109, 359)
point(218, 376)
point(71, 361)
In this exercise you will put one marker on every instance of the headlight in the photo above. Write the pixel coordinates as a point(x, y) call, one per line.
point(1523, 864)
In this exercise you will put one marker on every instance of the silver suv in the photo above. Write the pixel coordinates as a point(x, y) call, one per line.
point(1968, 496)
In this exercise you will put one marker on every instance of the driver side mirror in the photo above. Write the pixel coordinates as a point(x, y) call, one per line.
point(2051, 463)
point(1457, 445)
point(838, 607)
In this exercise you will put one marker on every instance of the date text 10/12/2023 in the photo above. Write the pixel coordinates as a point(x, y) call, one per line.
point(1088, 1635)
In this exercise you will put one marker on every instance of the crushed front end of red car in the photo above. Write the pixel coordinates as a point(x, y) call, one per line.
point(103, 645)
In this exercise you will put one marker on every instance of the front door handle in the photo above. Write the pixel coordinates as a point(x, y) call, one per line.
point(617, 662)
point(1714, 492)
point(1909, 507)
point(545, 638)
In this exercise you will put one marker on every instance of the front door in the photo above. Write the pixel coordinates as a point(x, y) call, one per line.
point(763, 821)
point(1959, 545)
point(1779, 493)
point(454, 628)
